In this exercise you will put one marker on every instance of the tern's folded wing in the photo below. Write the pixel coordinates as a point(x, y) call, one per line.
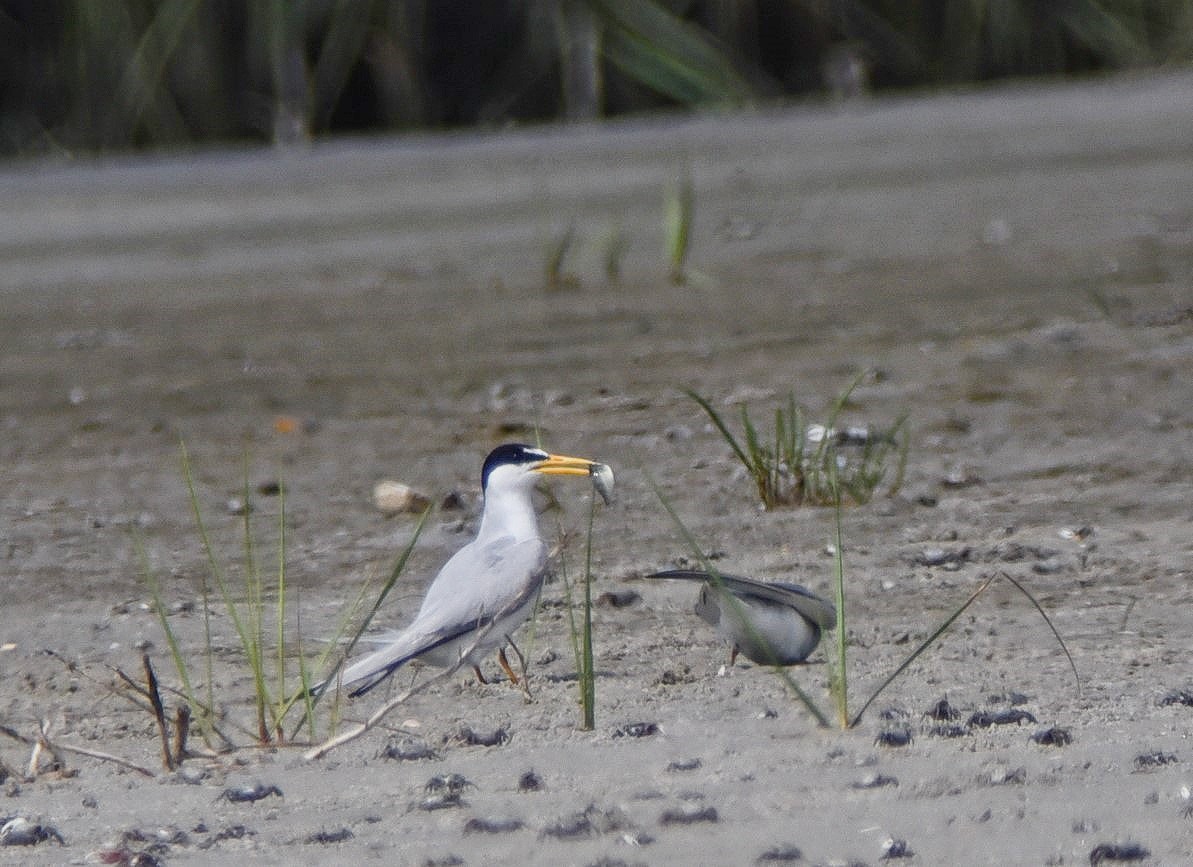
point(482, 579)
point(478, 585)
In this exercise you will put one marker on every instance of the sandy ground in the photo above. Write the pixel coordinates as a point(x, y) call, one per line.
point(1015, 267)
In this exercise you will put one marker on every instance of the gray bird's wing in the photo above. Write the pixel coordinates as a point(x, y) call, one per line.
point(819, 611)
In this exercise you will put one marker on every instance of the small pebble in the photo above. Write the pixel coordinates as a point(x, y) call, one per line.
point(1182, 697)
point(984, 718)
point(1121, 852)
point(405, 748)
point(395, 498)
point(636, 730)
point(1005, 776)
point(894, 737)
point(238, 506)
point(948, 730)
point(445, 861)
point(875, 781)
point(452, 784)
point(780, 855)
point(465, 735)
point(892, 849)
point(454, 501)
point(1048, 567)
point(442, 801)
point(250, 794)
point(19, 831)
point(493, 826)
point(618, 599)
point(590, 823)
point(530, 782)
point(340, 835)
point(689, 816)
point(1053, 737)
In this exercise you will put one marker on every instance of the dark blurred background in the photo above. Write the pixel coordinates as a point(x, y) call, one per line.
point(103, 75)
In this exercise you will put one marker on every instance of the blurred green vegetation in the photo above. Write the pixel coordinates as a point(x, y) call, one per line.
point(82, 75)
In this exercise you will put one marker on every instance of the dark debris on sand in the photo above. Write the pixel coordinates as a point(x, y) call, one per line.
point(1117, 852)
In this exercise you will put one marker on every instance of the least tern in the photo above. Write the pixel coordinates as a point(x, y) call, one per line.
point(488, 588)
point(770, 623)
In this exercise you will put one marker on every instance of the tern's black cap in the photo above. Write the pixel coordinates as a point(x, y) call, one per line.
point(510, 453)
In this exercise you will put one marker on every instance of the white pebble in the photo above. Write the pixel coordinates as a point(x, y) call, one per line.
point(394, 498)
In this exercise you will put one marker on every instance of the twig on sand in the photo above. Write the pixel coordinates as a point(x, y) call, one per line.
point(42, 744)
point(105, 757)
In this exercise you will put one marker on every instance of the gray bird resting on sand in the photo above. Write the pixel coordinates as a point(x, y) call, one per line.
point(770, 623)
point(489, 587)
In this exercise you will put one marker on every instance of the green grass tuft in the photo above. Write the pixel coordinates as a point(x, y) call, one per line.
point(791, 467)
point(277, 690)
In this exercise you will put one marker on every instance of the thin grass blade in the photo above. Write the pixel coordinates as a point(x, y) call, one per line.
point(719, 424)
point(394, 574)
point(588, 672)
point(254, 646)
point(924, 645)
point(840, 679)
point(1048, 620)
point(280, 614)
point(155, 591)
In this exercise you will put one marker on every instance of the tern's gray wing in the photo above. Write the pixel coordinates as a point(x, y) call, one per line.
point(484, 577)
point(481, 583)
point(816, 610)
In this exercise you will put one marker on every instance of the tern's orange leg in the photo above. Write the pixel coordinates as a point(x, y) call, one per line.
point(505, 663)
point(480, 677)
